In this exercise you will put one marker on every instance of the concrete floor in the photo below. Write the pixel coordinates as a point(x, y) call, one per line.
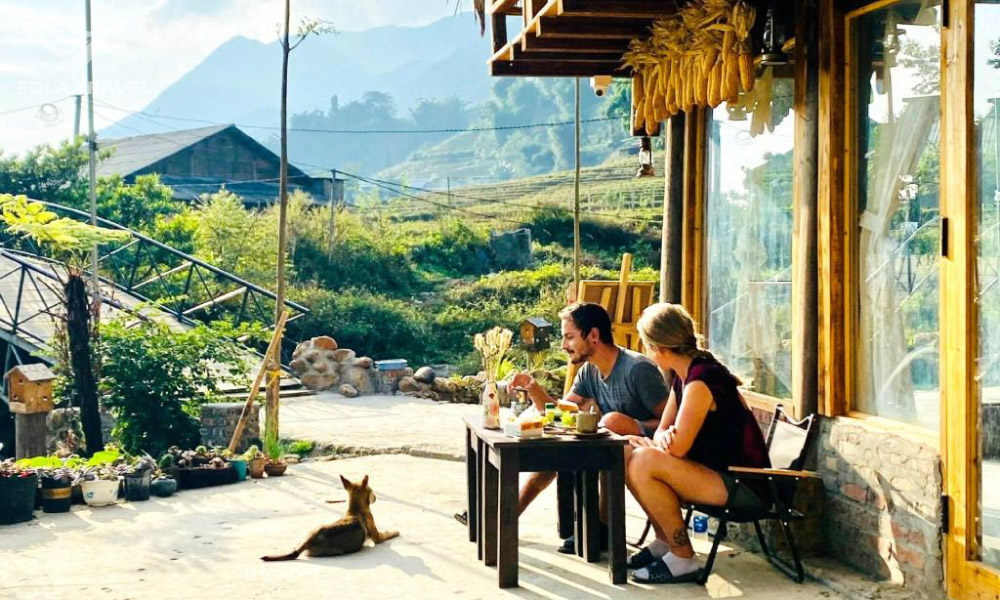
point(207, 543)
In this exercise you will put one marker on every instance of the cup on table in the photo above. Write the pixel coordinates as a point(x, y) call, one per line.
point(586, 422)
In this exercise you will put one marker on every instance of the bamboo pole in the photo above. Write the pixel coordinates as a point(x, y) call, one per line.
point(275, 342)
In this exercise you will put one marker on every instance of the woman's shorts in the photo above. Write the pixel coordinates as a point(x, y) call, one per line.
point(742, 495)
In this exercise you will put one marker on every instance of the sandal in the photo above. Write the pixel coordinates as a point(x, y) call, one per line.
point(659, 572)
point(462, 517)
point(640, 559)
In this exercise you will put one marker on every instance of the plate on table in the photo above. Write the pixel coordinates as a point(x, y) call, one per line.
point(597, 434)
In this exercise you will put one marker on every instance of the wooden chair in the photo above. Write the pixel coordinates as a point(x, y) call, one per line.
point(788, 443)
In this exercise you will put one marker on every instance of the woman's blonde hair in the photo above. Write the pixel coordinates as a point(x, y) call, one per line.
point(669, 326)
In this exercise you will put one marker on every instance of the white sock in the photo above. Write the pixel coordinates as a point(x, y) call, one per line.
point(680, 566)
point(658, 547)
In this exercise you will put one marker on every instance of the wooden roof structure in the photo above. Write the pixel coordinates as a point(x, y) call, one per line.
point(569, 38)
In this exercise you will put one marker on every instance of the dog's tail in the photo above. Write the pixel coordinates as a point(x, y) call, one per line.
point(290, 556)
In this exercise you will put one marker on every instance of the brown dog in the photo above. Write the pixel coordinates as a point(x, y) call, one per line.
point(347, 535)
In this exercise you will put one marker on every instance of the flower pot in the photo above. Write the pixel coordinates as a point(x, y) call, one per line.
point(17, 498)
point(100, 492)
point(275, 469)
point(137, 487)
point(201, 477)
point(57, 495)
point(256, 467)
point(240, 465)
point(163, 488)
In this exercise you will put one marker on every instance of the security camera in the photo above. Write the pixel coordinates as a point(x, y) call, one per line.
point(600, 85)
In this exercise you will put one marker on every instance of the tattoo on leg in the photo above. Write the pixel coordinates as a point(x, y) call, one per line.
point(680, 537)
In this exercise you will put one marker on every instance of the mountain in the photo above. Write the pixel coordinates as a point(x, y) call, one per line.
point(240, 81)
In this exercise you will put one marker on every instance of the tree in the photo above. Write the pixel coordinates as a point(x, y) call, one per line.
point(70, 241)
point(307, 27)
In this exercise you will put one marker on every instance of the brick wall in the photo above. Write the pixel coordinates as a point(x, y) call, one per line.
point(883, 503)
point(218, 423)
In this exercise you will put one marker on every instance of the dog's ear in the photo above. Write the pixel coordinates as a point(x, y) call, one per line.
point(364, 482)
point(347, 484)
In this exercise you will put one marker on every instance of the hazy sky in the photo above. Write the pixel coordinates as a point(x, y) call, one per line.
point(141, 47)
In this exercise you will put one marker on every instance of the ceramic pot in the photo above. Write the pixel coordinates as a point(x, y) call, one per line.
point(275, 469)
point(164, 487)
point(240, 465)
point(490, 400)
point(57, 495)
point(256, 467)
point(100, 492)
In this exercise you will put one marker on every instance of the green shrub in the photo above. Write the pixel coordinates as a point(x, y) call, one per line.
point(454, 249)
point(154, 380)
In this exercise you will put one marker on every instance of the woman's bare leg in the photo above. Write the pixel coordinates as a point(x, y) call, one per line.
point(661, 482)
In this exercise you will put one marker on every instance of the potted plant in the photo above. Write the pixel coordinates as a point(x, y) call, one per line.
point(100, 479)
point(57, 477)
point(163, 485)
point(137, 477)
point(168, 465)
point(275, 450)
point(255, 461)
point(237, 461)
point(17, 492)
point(203, 468)
point(100, 485)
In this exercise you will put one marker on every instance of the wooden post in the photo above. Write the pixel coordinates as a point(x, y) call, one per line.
point(805, 295)
point(271, 349)
point(30, 434)
point(673, 211)
point(616, 318)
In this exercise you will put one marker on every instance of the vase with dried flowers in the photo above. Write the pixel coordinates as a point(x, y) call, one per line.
point(492, 346)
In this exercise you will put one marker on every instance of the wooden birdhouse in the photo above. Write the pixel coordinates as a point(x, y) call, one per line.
point(535, 334)
point(29, 388)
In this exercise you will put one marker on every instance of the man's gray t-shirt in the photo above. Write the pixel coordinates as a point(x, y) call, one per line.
point(635, 386)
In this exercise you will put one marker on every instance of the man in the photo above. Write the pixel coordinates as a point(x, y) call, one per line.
point(625, 387)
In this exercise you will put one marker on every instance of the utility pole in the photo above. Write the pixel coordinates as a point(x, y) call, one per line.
point(336, 200)
point(92, 147)
point(448, 181)
point(76, 117)
point(576, 200)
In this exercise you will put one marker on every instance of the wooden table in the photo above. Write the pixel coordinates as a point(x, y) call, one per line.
point(493, 462)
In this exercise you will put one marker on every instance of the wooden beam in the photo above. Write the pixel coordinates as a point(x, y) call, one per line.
point(518, 54)
point(504, 7)
point(499, 30)
point(693, 295)
point(533, 43)
point(673, 211)
point(593, 28)
point(617, 9)
point(502, 68)
point(805, 320)
point(830, 213)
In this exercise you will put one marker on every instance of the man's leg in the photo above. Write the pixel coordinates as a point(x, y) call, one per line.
point(621, 424)
point(532, 487)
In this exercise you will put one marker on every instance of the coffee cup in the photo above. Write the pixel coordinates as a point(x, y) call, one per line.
point(586, 422)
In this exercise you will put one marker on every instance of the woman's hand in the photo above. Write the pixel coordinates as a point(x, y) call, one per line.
point(664, 438)
point(639, 441)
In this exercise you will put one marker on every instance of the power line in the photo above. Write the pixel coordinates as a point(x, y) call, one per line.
point(33, 106)
point(364, 131)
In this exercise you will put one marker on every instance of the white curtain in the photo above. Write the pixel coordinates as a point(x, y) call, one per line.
point(883, 373)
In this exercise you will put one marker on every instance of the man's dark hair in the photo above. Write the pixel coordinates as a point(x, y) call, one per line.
point(587, 316)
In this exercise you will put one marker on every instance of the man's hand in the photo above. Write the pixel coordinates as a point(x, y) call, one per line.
point(524, 380)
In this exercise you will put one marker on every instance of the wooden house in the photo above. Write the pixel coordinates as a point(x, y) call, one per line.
point(833, 225)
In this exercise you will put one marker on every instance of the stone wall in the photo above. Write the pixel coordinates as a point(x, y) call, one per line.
point(883, 503)
point(218, 424)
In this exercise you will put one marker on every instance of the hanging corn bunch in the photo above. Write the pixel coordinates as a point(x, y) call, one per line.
point(701, 56)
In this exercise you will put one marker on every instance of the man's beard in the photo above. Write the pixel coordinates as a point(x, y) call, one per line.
point(581, 357)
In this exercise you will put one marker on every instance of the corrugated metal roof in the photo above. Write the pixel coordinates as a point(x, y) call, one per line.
point(135, 153)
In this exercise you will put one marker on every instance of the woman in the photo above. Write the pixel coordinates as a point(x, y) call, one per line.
point(706, 428)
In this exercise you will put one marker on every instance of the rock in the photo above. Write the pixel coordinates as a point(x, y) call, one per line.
point(324, 342)
point(343, 355)
point(348, 390)
point(360, 379)
point(292, 459)
point(320, 381)
point(321, 366)
point(470, 381)
point(424, 375)
point(364, 362)
point(444, 386)
point(299, 365)
point(408, 385)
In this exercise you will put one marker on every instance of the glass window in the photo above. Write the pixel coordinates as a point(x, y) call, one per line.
point(896, 120)
point(986, 106)
point(749, 244)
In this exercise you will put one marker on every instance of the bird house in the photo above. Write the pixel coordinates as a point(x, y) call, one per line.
point(29, 388)
point(535, 334)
